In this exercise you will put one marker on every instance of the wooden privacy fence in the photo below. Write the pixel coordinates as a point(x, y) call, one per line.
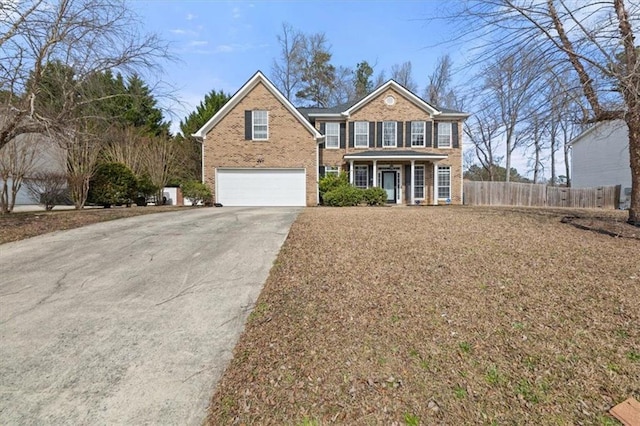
point(539, 195)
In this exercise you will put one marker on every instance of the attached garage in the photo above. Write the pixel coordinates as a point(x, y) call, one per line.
point(261, 187)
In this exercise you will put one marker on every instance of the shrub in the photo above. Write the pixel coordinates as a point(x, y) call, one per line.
point(195, 191)
point(331, 182)
point(374, 196)
point(112, 183)
point(343, 196)
point(146, 189)
point(48, 188)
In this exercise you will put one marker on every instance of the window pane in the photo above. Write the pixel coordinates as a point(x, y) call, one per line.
point(417, 133)
point(388, 133)
point(444, 135)
point(361, 178)
point(444, 182)
point(361, 130)
point(332, 133)
point(331, 170)
point(260, 125)
point(419, 182)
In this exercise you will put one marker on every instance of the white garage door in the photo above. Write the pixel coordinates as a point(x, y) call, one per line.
point(261, 187)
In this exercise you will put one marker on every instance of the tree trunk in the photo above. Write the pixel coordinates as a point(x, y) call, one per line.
point(633, 123)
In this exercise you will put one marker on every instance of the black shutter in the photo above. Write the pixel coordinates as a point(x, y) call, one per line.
point(343, 134)
point(322, 130)
point(429, 137)
point(399, 133)
point(372, 134)
point(379, 134)
point(454, 135)
point(407, 132)
point(351, 134)
point(248, 125)
point(370, 175)
point(321, 171)
point(435, 135)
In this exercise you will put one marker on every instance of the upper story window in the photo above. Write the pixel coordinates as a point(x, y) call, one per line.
point(444, 135)
point(332, 133)
point(361, 130)
point(389, 134)
point(417, 133)
point(260, 120)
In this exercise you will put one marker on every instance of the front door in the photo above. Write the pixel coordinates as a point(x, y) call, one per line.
point(389, 185)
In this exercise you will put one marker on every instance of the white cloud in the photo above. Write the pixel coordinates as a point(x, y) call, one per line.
point(190, 17)
point(225, 48)
point(235, 13)
point(178, 31)
point(195, 43)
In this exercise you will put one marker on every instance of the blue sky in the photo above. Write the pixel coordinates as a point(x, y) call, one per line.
point(221, 44)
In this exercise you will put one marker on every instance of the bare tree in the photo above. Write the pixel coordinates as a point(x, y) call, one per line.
point(124, 147)
point(87, 36)
point(343, 89)
point(483, 131)
point(81, 147)
point(48, 188)
point(537, 131)
point(594, 41)
point(510, 84)
point(159, 155)
point(286, 70)
point(17, 159)
point(438, 91)
point(402, 74)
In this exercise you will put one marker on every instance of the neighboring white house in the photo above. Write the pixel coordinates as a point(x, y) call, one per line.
point(600, 157)
point(29, 154)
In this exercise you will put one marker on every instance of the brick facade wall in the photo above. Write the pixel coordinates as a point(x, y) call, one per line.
point(290, 144)
point(403, 110)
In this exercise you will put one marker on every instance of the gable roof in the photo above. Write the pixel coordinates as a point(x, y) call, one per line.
point(345, 110)
point(591, 129)
point(257, 78)
point(392, 84)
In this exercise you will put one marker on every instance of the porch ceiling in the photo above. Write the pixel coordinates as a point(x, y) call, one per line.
point(394, 155)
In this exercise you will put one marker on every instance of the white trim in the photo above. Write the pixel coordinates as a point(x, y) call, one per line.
point(400, 90)
point(396, 157)
point(355, 134)
point(366, 168)
point(413, 187)
point(413, 182)
point(449, 186)
point(375, 173)
point(253, 125)
point(202, 159)
point(424, 134)
point(450, 145)
point(395, 134)
point(435, 184)
point(326, 133)
point(257, 78)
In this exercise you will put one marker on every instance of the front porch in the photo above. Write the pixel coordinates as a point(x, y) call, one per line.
point(408, 177)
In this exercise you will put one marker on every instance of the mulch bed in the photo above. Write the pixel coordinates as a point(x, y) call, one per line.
point(453, 315)
point(20, 225)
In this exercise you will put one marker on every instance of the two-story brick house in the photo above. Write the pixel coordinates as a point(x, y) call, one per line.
point(260, 150)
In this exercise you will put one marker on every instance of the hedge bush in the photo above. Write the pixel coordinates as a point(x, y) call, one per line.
point(374, 196)
point(343, 196)
point(331, 182)
point(196, 191)
point(112, 183)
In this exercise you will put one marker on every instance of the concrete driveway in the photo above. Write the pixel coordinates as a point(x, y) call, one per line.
point(131, 321)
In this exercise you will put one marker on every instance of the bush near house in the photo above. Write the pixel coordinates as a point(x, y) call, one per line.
point(374, 196)
point(112, 183)
point(343, 196)
point(196, 191)
point(331, 182)
point(336, 191)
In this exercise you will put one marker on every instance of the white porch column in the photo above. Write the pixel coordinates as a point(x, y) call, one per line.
point(375, 173)
point(351, 172)
point(413, 182)
point(435, 183)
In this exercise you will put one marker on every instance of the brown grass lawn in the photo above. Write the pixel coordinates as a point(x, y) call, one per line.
point(20, 225)
point(440, 316)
